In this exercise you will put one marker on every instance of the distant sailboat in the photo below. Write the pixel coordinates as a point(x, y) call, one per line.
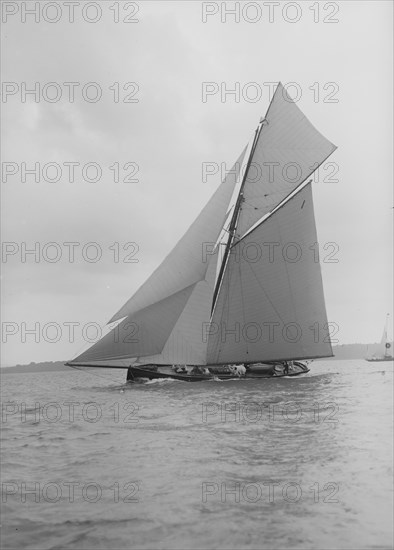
point(241, 294)
point(385, 345)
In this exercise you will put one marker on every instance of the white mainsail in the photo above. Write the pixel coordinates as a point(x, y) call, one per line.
point(243, 306)
point(271, 303)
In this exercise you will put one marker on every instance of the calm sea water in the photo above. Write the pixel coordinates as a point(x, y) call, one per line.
point(90, 462)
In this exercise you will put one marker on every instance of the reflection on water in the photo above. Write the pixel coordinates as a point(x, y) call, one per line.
point(277, 463)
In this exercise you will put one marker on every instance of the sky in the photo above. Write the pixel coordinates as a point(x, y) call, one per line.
point(136, 112)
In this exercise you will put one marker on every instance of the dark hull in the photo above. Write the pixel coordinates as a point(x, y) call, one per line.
point(266, 371)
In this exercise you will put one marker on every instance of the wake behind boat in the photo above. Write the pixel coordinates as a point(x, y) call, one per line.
point(241, 294)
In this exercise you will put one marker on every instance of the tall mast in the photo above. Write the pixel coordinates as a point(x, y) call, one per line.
point(237, 208)
point(234, 218)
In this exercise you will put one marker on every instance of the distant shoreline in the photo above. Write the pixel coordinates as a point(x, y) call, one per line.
point(48, 366)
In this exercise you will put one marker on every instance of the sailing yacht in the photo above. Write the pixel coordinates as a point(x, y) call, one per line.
point(385, 344)
point(241, 294)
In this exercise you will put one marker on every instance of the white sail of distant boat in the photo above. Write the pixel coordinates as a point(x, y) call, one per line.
point(384, 335)
point(385, 346)
point(241, 288)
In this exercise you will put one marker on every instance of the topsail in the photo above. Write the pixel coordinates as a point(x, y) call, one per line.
point(288, 150)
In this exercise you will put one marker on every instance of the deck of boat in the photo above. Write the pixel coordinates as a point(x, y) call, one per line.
point(224, 372)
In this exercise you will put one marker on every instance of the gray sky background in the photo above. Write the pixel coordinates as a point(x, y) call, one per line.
point(170, 132)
